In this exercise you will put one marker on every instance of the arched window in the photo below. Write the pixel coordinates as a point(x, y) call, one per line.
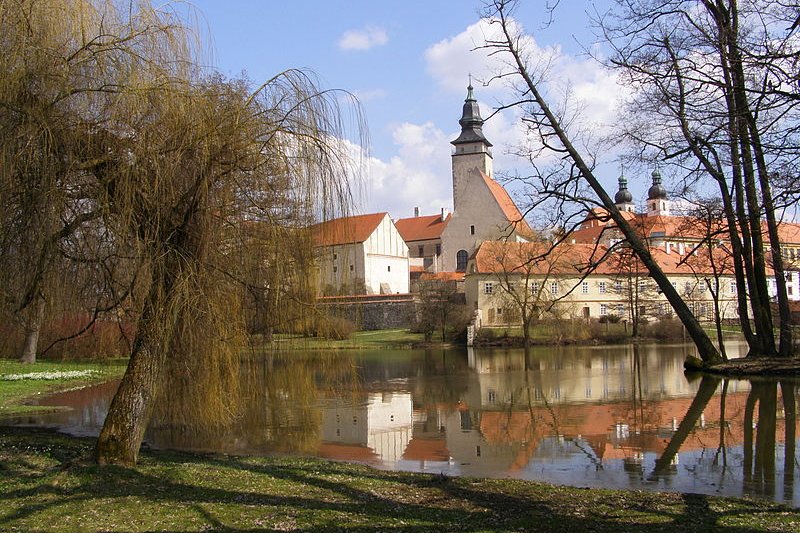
point(461, 260)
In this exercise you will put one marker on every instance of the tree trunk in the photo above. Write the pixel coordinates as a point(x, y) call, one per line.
point(33, 326)
point(132, 406)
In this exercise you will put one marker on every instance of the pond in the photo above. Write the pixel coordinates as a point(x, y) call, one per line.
point(590, 416)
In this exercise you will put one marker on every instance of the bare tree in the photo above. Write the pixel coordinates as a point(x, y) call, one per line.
point(524, 272)
point(714, 93)
point(553, 130)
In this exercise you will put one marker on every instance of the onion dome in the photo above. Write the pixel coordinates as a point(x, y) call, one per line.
point(623, 195)
point(657, 191)
point(471, 122)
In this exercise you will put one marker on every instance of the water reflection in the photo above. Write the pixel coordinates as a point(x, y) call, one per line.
point(622, 416)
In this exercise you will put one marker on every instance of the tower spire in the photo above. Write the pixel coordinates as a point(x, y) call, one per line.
point(623, 199)
point(471, 121)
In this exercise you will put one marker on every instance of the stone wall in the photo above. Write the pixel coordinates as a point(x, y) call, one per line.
point(372, 312)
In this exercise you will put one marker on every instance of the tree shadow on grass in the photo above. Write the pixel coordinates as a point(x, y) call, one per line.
point(303, 495)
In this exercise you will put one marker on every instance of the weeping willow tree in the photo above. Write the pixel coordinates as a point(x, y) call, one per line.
point(113, 134)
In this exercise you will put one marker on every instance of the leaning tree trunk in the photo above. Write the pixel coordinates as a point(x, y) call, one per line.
point(132, 406)
point(33, 327)
point(705, 348)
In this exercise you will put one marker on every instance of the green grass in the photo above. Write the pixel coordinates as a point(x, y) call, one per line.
point(49, 483)
point(14, 394)
point(366, 340)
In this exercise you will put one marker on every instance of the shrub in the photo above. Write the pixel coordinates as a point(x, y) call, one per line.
point(327, 327)
point(666, 328)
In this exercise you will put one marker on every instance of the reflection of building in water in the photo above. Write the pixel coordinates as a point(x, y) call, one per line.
point(585, 374)
point(378, 428)
point(587, 404)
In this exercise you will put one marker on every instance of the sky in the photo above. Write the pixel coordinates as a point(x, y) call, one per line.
point(409, 63)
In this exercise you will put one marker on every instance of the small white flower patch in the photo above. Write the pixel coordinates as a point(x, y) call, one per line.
point(69, 374)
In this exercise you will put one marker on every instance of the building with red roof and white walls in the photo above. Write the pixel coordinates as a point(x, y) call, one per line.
point(362, 254)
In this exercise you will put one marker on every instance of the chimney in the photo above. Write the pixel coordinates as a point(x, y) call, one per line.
point(444, 213)
point(416, 211)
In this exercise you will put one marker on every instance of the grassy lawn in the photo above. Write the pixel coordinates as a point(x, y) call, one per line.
point(13, 393)
point(367, 340)
point(48, 483)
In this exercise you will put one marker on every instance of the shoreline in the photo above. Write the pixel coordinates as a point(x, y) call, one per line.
point(51, 484)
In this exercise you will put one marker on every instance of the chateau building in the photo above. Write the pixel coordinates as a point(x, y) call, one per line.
point(504, 277)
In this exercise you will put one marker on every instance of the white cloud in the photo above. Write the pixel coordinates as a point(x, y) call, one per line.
point(419, 173)
point(418, 176)
point(591, 88)
point(363, 39)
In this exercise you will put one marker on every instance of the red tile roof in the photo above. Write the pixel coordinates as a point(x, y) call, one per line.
point(598, 222)
point(507, 205)
point(421, 228)
point(443, 276)
point(528, 258)
point(346, 230)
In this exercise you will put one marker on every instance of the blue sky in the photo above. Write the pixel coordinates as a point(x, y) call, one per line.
point(408, 63)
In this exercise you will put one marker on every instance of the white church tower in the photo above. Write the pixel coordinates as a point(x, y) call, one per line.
point(482, 208)
point(472, 153)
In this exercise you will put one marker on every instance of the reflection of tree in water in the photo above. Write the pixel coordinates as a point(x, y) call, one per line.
point(275, 406)
point(760, 449)
point(760, 434)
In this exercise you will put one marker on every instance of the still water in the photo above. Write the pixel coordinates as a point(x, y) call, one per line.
point(611, 416)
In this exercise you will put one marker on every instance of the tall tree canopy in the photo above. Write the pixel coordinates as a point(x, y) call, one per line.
point(115, 143)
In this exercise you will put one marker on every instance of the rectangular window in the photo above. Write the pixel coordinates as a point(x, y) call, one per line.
point(732, 287)
point(488, 287)
point(603, 309)
point(554, 288)
point(438, 249)
point(389, 268)
point(535, 288)
point(620, 310)
point(602, 287)
point(585, 287)
point(642, 287)
point(618, 286)
point(334, 257)
point(351, 268)
point(420, 251)
point(472, 230)
point(334, 268)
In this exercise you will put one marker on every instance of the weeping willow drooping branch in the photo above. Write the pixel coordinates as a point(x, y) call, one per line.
point(198, 184)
